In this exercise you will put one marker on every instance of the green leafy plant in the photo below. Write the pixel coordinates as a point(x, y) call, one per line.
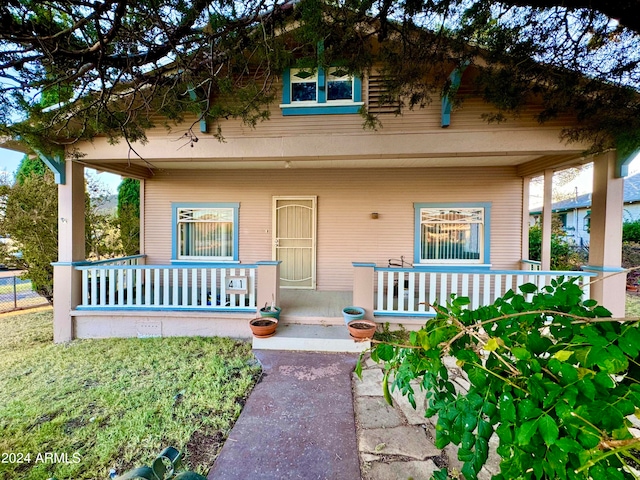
point(164, 467)
point(555, 377)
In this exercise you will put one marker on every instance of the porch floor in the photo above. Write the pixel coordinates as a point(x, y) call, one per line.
point(311, 338)
point(312, 305)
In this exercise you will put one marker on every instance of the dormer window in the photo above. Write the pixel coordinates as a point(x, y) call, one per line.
point(304, 86)
point(339, 85)
point(320, 92)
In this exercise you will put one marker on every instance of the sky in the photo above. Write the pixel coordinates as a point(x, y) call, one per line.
point(582, 184)
point(9, 161)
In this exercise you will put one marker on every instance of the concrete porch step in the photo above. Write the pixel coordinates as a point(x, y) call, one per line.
point(311, 338)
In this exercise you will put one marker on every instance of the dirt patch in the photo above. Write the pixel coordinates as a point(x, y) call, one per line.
point(203, 448)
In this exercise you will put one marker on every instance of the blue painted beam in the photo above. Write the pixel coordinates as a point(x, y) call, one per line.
point(455, 78)
point(56, 164)
point(623, 161)
point(204, 126)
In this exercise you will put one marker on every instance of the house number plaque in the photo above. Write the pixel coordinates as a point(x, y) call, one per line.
point(237, 285)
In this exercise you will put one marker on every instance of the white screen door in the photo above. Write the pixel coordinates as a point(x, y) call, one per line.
point(294, 240)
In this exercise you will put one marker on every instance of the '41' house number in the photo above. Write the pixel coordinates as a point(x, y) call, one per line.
point(236, 285)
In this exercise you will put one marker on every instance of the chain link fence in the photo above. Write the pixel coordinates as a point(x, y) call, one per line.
point(16, 293)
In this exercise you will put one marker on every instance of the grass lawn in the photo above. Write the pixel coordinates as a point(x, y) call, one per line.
point(633, 305)
point(94, 405)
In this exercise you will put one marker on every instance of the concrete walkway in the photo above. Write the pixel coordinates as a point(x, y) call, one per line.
point(298, 422)
point(310, 417)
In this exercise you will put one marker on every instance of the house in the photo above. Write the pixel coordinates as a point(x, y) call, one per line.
point(309, 210)
point(575, 213)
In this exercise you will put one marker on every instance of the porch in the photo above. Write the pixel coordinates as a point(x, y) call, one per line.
point(217, 299)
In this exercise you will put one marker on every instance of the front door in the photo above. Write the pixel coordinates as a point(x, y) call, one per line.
point(294, 240)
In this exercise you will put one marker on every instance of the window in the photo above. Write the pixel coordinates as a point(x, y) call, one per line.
point(319, 91)
point(206, 232)
point(304, 86)
point(452, 234)
point(339, 85)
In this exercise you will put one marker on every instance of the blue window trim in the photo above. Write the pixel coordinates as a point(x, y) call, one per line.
point(485, 261)
point(322, 107)
point(174, 228)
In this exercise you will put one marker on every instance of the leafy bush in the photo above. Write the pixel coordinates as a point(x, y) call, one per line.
point(631, 258)
point(553, 376)
point(564, 256)
point(631, 232)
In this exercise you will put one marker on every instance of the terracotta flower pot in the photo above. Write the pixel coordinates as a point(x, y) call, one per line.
point(361, 329)
point(263, 327)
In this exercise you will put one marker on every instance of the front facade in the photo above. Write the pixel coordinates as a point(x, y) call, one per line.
point(309, 203)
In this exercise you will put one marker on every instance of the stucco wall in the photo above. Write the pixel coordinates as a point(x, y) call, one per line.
point(346, 198)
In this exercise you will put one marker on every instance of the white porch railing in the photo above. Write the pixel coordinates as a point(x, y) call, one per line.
point(531, 265)
point(405, 291)
point(111, 284)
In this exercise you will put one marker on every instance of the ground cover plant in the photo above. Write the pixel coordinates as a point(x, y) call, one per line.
point(78, 410)
point(554, 377)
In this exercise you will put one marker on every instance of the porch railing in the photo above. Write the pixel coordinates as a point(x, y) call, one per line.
point(531, 265)
point(210, 287)
point(120, 261)
point(411, 292)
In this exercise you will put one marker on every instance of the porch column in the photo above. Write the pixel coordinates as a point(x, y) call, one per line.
point(547, 202)
point(605, 248)
point(363, 283)
point(268, 288)
point(67, 282)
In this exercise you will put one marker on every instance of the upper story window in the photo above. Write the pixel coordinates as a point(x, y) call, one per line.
point(339, 85)
point(319, 91)
point(304, 86)
point(205, 232)
point(452, 234)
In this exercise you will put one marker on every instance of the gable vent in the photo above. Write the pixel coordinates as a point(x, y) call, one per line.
point(378, 100)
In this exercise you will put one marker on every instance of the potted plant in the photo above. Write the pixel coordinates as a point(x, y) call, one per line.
point(263, 327)
point(352, 313)
point(362, 329)
point(270, 310)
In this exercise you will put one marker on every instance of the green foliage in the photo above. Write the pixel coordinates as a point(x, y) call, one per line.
point(28, 166)
point(164, 467)
point(101, 227)
point(631, 232)
point(31, 220)
point(630, 260)
point(563, 255)
point(554, 377)
point(129, 215)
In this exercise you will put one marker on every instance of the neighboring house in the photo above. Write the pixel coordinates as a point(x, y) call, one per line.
point(309, 207)
point(575, 213)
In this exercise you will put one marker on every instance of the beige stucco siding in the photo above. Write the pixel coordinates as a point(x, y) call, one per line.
point(346, 198)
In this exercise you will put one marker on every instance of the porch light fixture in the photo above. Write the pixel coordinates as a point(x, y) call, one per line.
point(374, 215)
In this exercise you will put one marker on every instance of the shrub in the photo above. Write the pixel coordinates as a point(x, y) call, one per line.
point(553, 376)
point(631, 232)
point(564, 256)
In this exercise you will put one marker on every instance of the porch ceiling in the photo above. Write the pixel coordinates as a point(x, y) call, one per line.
point(439, 148)
point(528, 164)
